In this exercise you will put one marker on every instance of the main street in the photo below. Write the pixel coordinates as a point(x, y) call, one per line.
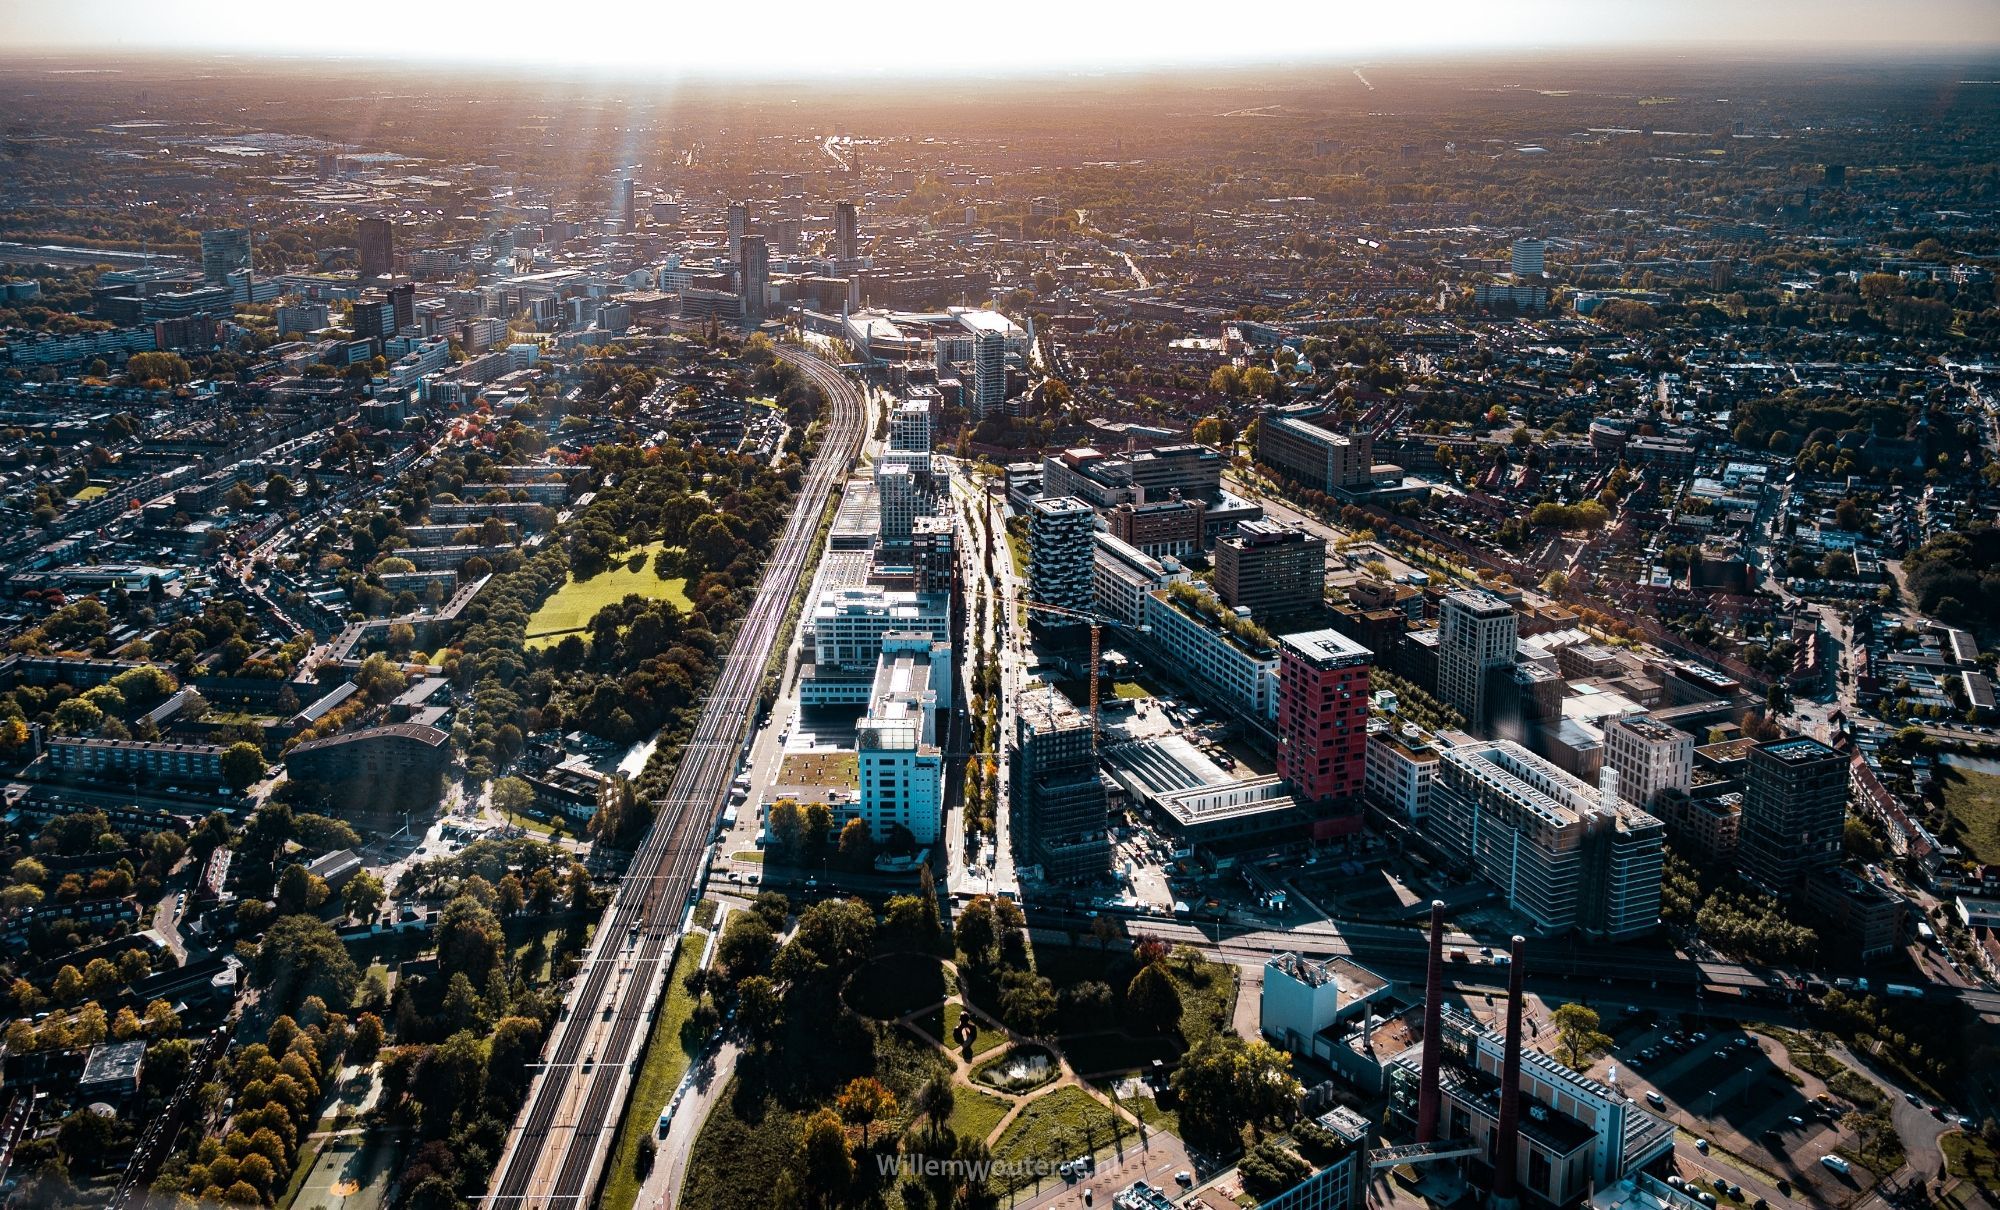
point(556, 1150)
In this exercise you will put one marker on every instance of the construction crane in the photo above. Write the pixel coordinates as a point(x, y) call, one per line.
point(1096, 621)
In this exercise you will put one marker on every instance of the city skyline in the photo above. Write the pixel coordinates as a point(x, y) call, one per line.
point(705, 45)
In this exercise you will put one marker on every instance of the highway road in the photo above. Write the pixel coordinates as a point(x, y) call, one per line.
point(557, 1148)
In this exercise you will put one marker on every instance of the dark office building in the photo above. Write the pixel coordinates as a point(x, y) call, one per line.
point(374, 319)
point(403, 303)
point(1271, 569)
point(1794, 807)
point(378, 248)
point(846, 231)
point(753, 277)
point(1057, 796)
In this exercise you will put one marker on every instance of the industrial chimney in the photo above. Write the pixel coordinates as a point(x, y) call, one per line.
point(1506, 1158)
point(1427, 1091)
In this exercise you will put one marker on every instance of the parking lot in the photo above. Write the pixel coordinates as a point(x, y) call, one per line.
point(1734, 1091)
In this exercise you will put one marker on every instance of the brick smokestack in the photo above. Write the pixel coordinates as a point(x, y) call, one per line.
point(1506, 1158)
point(1427, 1091)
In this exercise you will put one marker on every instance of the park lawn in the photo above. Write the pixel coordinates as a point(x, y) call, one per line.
point(1060, 1126)
point(90, 492)
point(572, 606)
point(986, 1037)
point(1129, 689)
point(974, 1114)
point(667, 1059)
point(746, 1141)
point(1972, 799)
point(1968, 1155)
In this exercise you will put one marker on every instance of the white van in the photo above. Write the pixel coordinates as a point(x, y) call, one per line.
point(1835, 1162)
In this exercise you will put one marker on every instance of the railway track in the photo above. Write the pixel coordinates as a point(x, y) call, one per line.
point(557, 1148)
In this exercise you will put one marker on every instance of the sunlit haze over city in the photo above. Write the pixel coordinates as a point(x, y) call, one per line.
point(794, 38)
point(1059, 606)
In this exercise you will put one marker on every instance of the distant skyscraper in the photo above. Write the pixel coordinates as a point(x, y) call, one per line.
point(1794, 810)
point(1062, 557)
point(1477, 633)
point(224, 251)
point(989, 374)
point(403, 305)
point(739, 224)
point(1528, 256)
point(753, 268)
point(846, 231)
point(1323, 716)
point(625, 205)
point(378, 248)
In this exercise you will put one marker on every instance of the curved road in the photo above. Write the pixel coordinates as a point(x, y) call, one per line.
point(557, 1149)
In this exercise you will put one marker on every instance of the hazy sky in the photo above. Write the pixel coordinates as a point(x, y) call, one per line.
point(796, 37)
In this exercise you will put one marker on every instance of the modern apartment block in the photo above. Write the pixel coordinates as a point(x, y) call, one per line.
point(1061, 556)
point(1477, 633)
point(99, 759)
point(1401, 769)
point(910, 427)
point(847, 630)
point(378, 247)
point(1323, 717)
point(1649, 757)
point(1293, 442)
point(1056, 794)
point(1232, 668)
point(1273, 570)
point(1127, 575)
point(1794, 808)
point(224, 251)
point(846, 231)
point(395, 767)
point(989, 374)
point(901, 766)
point(753, 280)
point(1559, 854)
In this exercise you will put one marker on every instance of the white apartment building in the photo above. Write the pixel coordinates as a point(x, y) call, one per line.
point(910, 426)
point(1650, 758)
point(1401, 767)
point(901, 766)
point(1477, 632)
point(1235, 676)
point(1126, 576)
point(901, 500)
point(843, 639)
point(1558, 852)
point(989, 374)
point(1529, 256)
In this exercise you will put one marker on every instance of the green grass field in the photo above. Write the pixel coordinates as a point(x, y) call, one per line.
point(90, 492)
point(666, 1061)
point(1972, 799)
point(1060, 1126)
point(578, 601)
point(975, 1114)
